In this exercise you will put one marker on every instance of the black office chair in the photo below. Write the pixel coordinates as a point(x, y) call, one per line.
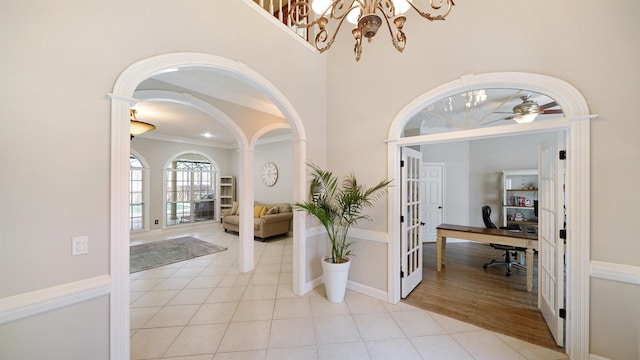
point(509, 251)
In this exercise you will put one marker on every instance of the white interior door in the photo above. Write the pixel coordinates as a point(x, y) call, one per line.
point(432, 198)
point(410, 238)
point(551, 267)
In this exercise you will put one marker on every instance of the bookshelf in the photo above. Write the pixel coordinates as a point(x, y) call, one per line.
point(519, 195)
point(227, 192)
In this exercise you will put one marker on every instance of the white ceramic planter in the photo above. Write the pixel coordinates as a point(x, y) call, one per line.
point(335, 279)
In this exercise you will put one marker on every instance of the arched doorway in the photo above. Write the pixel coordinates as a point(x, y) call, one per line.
point(122, 101)
point(575, 123)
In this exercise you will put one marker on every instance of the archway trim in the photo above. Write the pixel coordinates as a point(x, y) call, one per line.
point(121, 101)
point(576, 111)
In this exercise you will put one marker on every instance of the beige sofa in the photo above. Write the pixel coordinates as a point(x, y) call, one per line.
point(275, 220)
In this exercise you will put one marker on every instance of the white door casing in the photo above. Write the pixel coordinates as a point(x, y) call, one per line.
point(411, 228)
point(433, 180)
point(575, 123)
point(550, 221)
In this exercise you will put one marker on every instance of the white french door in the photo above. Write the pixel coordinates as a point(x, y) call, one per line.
point(551, 264)
point(411, 236)
point(432, 197)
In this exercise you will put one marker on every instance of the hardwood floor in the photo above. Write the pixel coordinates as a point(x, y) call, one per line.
point(486, 298)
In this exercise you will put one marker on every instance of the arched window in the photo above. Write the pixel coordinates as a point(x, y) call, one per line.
point(136, 194)
point(190, 184)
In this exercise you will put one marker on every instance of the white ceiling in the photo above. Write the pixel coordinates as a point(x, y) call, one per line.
point(183, 123)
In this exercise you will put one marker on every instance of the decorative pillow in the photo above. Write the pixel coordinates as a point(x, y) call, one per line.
point(257, 210)
point(264, 211)
point(234, 208)
point(272, 210)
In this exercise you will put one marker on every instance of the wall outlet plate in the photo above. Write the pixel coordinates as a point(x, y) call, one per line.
point(79, 245)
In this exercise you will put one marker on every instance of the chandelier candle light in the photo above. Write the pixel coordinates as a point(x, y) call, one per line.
point(367, 15)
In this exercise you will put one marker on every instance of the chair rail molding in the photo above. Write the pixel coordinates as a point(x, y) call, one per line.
point(629, 274)
point(36, 302)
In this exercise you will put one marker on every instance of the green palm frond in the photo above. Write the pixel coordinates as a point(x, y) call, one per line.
point(339, 207)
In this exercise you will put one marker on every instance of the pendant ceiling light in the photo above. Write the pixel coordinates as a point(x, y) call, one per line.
point(138, 127)
point(367, 15)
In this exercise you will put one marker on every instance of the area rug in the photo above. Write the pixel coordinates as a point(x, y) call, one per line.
point(160, 253)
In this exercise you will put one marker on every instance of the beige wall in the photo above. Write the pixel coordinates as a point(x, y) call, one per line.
point(59, 62)
point(60, 59)
point(592, 46)
point(281, 154)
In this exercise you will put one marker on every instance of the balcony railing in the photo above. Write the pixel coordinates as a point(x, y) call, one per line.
point(280, 10)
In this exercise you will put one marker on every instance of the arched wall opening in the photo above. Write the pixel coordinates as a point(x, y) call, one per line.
point(575, 123)
point(122, 100)
point(167, 166)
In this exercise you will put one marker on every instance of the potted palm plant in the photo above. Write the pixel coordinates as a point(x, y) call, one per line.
point(338, 206)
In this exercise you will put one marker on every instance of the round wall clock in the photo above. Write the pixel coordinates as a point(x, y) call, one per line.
point(269, 174)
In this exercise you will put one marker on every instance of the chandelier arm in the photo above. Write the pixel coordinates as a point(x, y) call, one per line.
point(323, 40)
point(387, 8)
point(301, 9)
point(323, 30)
point(357, 48)
point(338, 5)
point(368, 20)
point(399, 40)
point(435, 6)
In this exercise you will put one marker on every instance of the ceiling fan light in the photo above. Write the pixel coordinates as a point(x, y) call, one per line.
point(524, 118)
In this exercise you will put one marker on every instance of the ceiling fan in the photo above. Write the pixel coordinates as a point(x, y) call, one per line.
point(528, 110)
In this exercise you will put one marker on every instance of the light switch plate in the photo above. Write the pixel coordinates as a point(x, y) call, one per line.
point(79, 245)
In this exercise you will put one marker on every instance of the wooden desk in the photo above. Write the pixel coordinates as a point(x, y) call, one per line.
point(495, 236)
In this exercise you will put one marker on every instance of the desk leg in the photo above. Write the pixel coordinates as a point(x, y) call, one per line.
point(441, 247)
point(529, 261)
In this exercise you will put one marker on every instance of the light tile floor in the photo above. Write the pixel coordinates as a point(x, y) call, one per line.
point(204, 309)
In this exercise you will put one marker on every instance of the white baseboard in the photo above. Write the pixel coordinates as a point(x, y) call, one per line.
point(367, 290)
point(351, 285)
point(596, 357)
point(312, 284)
point(20, 306)
point(629, 274)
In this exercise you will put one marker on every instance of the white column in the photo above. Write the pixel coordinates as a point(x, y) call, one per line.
point(119, 237)
point(393, 214)
point(245, 202)
point(299, 224)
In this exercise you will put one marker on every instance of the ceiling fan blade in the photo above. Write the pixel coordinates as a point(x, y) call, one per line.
point(492, 121)
point(549, 105)
point(552, 111)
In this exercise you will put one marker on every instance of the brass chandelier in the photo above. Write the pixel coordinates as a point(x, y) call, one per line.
point(367, 15)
